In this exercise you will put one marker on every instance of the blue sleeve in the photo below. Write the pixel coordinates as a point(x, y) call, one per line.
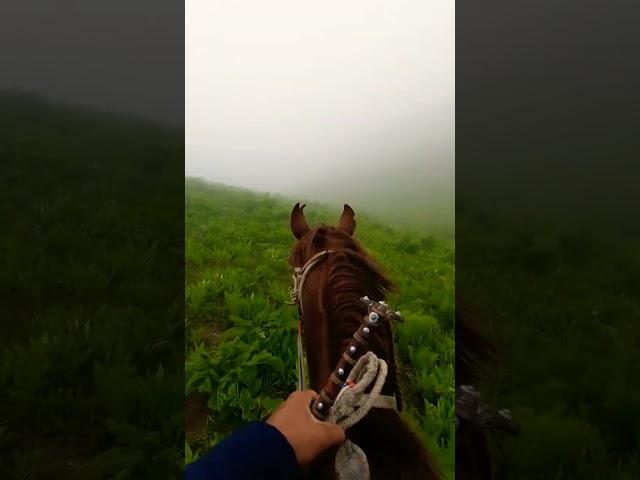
point(257, 451)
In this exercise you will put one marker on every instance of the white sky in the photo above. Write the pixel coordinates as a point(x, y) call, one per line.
point(283, 95)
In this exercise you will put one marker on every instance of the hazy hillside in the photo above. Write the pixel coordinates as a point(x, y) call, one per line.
point(91, 363)
point(562, 304)
point(418, 197)
point(241, 334)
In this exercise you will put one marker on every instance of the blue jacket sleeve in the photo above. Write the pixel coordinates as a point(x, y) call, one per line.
point(257, 451)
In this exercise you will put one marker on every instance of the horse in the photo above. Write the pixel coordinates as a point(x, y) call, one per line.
point(333, 310)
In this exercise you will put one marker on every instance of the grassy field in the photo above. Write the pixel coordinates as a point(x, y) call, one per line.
point(91, 303)
point(240, 334)
point(562, 303)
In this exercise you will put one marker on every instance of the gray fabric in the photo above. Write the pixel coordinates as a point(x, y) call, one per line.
point(351, 463)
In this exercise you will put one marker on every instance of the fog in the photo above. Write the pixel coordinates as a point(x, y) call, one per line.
point(332, 101)
point(117, 56)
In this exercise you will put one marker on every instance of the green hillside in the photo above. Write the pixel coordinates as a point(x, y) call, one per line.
point(240, 334)
point(91, 350)
point(561, 302)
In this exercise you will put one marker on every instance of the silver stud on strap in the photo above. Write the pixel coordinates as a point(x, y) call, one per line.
point(340, 371)
point(320, 405)
point(352, 349)
point(365, 330)
point(382, 302)
point(373, 317)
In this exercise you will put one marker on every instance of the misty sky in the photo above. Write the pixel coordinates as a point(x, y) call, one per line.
point(329, 101)
point(117, 55)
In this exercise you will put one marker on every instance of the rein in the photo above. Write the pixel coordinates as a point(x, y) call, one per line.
point(299, 276)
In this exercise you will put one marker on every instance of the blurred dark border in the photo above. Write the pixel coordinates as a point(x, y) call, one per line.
point(547, 232)
point(92, 244)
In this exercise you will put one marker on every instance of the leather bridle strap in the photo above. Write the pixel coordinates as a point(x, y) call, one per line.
point(299, 278)
point(301, 274)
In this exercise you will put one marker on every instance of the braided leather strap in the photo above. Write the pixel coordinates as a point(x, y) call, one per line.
point(377, 311)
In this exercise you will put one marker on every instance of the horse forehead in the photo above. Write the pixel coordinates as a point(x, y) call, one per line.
point(334, 237)
point(306, 247)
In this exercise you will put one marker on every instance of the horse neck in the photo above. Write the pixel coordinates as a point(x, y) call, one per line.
point(340, 312)
point(331, 317)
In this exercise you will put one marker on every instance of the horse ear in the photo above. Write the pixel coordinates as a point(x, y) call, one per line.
point(299, 225)
point(347, 220)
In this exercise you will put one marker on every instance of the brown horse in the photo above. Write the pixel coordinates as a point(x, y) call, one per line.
point(332, 312)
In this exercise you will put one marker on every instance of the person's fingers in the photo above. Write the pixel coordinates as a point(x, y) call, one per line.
point(335, 433)
point(308, 395)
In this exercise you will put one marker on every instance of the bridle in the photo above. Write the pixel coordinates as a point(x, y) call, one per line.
point(299, 277)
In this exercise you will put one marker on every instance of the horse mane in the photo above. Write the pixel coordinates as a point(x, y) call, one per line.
point(474, 352)
point(351, 271)
point(346, 284)
point(317, 239)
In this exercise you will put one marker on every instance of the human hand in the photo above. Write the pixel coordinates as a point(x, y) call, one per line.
point(308, 436)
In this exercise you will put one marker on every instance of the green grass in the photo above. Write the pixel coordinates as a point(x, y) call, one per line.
point(240, 334)
point(562, 303)
point(91, 362)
